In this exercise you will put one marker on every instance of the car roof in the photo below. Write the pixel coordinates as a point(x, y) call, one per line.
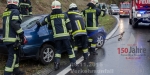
point(28, 17)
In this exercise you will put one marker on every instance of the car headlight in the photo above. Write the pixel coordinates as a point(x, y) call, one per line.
point(139, 15)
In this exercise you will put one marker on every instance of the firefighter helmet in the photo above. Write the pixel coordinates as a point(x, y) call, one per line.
point(56, 5)
point(94, 1)
point(15, 2)
point(72, 5)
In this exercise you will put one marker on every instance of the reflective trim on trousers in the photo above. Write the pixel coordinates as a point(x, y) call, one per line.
point(10, 69)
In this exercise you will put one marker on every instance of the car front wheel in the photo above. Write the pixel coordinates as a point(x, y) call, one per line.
point(100, 40)
point(46, 54)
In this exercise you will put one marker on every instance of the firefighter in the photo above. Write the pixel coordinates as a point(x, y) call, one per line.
point(78, 29)
point(12, 33)
point(61, 28)
point(25, 7)
point(91, 16)
point(103, 10)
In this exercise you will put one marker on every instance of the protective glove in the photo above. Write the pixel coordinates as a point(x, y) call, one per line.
point(38, 23)
point(22, 39)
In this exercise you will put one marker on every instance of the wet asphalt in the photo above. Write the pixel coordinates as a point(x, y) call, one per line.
point(130, 56)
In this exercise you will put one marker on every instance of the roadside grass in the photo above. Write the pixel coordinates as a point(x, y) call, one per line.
point(108, 22)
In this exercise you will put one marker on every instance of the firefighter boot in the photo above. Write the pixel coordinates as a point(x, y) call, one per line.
point(18, 72)
point(56, 65)
point(85, 55)
point(93, 52)
point(73, 65)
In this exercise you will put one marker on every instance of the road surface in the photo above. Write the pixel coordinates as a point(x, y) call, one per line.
point(130, 56)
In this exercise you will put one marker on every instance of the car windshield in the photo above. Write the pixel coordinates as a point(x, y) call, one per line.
point(29, 22)
point(125, 5)
point(114, 7)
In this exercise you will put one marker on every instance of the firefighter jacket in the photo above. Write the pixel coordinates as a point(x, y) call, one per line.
point(60, 23)
point(11, 24)
point(91, 15)
point(77, 23)
point(25, 7)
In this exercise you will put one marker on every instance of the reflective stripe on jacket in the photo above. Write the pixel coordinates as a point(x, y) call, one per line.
point(11, 25)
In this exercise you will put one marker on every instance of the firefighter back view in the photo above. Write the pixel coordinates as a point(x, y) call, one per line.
point(78, 30)
point(61, 27)
point(91, 15)
point(25, 7)
point(12, 31)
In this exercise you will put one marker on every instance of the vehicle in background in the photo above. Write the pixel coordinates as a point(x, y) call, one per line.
point(112, 5)
point(114, 10)
point(140, 12)
point(124, 8)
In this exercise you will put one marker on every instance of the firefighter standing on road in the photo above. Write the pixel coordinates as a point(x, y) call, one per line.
point(61, 27)
point(78, 29)
point(12, 31)
point(25, 7)
point(91, 16)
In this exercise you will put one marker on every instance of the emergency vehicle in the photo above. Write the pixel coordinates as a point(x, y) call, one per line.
point(124, 8)
point(140, 13)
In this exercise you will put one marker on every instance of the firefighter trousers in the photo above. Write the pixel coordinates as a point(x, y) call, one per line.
point(82, 41)
point(60, 45)
point(13, 60)
point(92, 42)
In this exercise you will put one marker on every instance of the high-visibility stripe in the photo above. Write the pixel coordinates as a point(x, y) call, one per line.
point(19, 31)
point(15, 17)
point(78, 31)
point(93, 45)
point(7, 13)
point(7, 28)
point(75, 48)
point(79, 24)
point(24, 4)
point(20, 16)
point(9, 39)
point(90, 40)
point(61, 35)
point(91, 28)
point(30, 12)
point(79, 34)
point(10, 69)
point(46, 20)
point(54, 30)
point(16, 65)
point(94, 20)
point(74, 13)
point(72, 56)
point(85, 50)
point(67, 20)
point(64, 25)
point(86, 19)
point(58, 55)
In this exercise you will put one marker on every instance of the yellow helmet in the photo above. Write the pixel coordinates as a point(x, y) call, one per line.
point(15, 2)
point(56, 5)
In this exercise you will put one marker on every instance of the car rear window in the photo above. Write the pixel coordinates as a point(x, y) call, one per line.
point(125, 5)
point(29, 22)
